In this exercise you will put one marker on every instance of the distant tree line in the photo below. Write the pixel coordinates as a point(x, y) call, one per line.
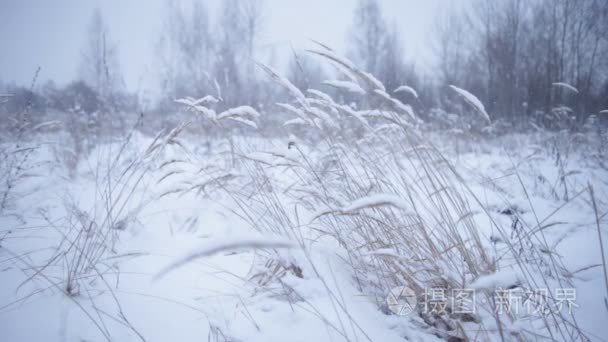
point(95, 99)
point(196, 59)
point(518, 55)
point(525, 60)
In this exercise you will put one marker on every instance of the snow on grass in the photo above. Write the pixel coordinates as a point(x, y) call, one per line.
point(504, 279)
point(398, 104)
point(321, 95)
point(565, 86)
point(210, 287)
point(473, 101)
point(241, 111)
point(406, 89)
point(376, 200)
point(349, 69)
point(284, 82)
point(195, 102)
point(244, 121)
point(368, 202)
point(228, 244)
point(346, 85)
point(296, 121)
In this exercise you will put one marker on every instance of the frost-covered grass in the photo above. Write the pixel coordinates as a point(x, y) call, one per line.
point(362, 222)
point(302, 238)
point(412, 217)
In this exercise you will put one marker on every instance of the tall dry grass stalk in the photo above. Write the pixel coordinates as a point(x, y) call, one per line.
point(432, 238)
point(84, 260)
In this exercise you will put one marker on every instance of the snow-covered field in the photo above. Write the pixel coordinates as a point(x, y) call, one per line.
point(228, 171)
point(356, 222)
point(181, 242)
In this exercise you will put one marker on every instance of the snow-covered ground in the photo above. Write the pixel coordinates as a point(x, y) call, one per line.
point(180, 265)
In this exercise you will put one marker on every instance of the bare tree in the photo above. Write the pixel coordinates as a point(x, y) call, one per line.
point(377, 47)
point(450, 45)
point(394, 70)
point(240, 23)
point(186, 49)
point(99, 70)
point(512, 52)
point(368, 35)
point(99, 66)
point(254, 21)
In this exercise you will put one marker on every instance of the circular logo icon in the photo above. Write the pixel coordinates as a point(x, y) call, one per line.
point(401, 300)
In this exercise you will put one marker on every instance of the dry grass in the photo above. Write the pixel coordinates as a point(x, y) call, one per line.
point(83, 260)
point(436, 242)
point(424, 232)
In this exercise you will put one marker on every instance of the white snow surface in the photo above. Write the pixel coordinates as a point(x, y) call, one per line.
point(212, 293)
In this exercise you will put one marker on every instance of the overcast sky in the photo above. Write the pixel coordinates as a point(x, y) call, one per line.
point(50, 33)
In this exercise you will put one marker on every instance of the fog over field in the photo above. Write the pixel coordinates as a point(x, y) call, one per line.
point(267, 170)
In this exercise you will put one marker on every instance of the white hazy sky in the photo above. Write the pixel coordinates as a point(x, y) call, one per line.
point(50, 34)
